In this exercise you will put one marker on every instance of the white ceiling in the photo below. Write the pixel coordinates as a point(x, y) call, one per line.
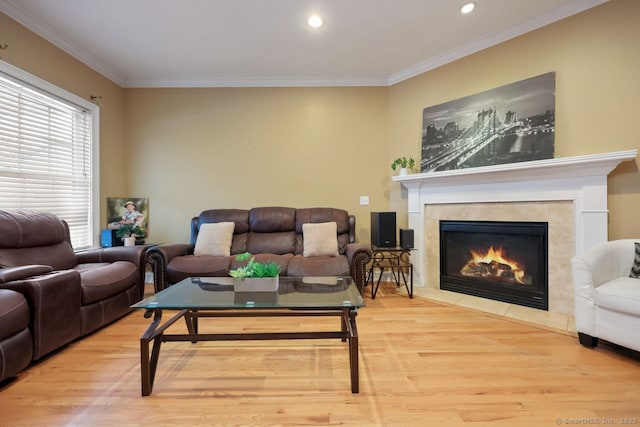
point(212, 43)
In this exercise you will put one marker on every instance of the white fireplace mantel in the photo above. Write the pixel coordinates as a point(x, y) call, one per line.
point(581, 179)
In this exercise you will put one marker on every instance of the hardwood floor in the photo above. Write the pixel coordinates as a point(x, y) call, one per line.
point(421, 363)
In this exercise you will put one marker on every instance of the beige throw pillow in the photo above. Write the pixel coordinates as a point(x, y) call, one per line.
point(320, 239)
point(214, 239)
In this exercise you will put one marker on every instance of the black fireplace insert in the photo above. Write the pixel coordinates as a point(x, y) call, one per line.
point(501, 260)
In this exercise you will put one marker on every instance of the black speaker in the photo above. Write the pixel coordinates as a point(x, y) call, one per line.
point(383, 229)
point(406, 238)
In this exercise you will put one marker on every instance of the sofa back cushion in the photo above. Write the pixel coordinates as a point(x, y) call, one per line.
point(272, 219)
point(240, 218)
point(276, 230)
point(272, 230)
point(30, 237)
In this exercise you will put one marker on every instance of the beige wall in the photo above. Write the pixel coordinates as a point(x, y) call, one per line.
point(33, 54)
point(196, 149)
point(596, 58)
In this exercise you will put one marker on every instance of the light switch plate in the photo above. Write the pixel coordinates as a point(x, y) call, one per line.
point(364, 200)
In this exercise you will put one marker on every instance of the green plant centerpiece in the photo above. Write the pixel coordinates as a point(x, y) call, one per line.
point(404, 164)
point(255, 276)
point(253, 268)
point(128, 230)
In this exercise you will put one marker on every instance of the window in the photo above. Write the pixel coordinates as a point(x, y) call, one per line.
point(47, 143)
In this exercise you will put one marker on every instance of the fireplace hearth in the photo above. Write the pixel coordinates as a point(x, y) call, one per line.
point(501, 260)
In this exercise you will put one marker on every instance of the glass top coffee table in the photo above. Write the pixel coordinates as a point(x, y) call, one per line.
point(198, 297)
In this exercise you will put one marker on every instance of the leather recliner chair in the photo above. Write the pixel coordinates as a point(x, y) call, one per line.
point(69, 294)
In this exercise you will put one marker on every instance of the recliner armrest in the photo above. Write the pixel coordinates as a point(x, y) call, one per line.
point(159, 257)
point(22, 272)
point(54, 301)
point(134, 254)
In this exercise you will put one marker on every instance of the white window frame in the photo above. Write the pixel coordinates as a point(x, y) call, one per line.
point(64, 95)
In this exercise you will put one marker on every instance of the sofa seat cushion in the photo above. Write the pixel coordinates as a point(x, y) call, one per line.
point(14, 313)
point(621, 295)
point(192, 266)
point(103, 280)
point(282, 261)
point(300, 266)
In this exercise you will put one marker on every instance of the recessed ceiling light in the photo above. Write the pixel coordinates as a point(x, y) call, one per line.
point(467, 7)
point(315, 21)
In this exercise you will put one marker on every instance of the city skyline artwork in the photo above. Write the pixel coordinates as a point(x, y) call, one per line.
point(509, 124)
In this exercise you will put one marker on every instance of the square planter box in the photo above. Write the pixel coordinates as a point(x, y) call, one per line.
point(258, 284)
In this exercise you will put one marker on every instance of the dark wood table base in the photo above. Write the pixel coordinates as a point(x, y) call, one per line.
point(155, 334)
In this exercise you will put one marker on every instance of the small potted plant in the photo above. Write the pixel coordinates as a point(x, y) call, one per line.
point(404, 164)
point(255, 276)
point(129, 232)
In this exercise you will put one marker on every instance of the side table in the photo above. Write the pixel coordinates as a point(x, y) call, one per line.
point(396, 260)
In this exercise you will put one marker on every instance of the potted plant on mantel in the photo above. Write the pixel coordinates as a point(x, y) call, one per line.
point(255, 276)
point(129, 232)
point(404, 164)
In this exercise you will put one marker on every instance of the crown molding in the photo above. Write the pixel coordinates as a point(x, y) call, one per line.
point(256, 82)
point(11, 9)
point(15, 12)
point(569, 9)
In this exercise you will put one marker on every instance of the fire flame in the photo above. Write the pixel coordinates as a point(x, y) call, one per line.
point(498, 262)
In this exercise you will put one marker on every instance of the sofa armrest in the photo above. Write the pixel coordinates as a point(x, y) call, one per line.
point(54, 304)
point(22, 272)
point(609, 260)
point(358, 255)
point(584, 305)
point(160, 256)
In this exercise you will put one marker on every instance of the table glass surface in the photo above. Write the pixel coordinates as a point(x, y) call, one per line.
point(293, 292)
point(390, 249)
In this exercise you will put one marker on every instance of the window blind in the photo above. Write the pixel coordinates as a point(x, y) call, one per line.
point(45, 156)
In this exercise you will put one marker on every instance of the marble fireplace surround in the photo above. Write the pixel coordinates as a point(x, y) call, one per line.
point(569, 192)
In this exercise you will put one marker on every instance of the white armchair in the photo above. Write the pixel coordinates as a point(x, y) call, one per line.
point(607, 300)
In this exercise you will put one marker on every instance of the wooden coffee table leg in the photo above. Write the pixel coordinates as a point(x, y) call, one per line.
point(353, 349)
point(148, 363)
point(155, 334)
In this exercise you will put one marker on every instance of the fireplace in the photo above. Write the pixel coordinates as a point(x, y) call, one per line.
point(569, 193)
point(501, 260)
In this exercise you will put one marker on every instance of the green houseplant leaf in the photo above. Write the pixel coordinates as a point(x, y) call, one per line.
point(126, 230)
point(253, 268)
point(403, 162)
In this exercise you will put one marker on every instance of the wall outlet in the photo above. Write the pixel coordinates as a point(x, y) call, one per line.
point(364, 200)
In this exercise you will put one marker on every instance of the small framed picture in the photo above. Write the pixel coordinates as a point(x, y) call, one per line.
point(127, 210)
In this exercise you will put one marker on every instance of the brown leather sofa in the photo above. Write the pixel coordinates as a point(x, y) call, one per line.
point(68, 294)
point(270, 234)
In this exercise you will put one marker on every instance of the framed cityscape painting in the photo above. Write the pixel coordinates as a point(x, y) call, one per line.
point(508, 124)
